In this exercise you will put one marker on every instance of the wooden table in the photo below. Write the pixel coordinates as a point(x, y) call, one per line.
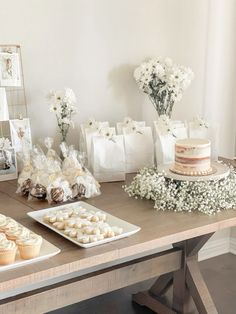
point(77, 274)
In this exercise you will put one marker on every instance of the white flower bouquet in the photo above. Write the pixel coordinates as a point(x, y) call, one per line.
point(164, 82)
point(63, 105)
point(208, 197)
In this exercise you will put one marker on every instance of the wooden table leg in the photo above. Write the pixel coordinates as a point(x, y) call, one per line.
point(157, 306)
point(162, 284)
point(187, 282)
point(198, 289)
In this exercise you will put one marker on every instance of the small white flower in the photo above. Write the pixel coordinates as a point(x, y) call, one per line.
point(92, 123)
point(5, 143)
point(55, 108)
point(199, 123)
point(69, 96)
point(127, 120)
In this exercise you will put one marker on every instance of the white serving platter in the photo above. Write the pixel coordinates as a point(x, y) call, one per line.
point(221, 171)
point(47, 250)
point(128, 228)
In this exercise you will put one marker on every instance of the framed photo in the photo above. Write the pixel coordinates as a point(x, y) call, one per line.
point(8, 166)
point(10, 69)
point(20, 134)
point(4, 113)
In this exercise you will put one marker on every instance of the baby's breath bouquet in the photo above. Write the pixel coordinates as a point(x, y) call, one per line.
point(164, 82)
point(63, 105)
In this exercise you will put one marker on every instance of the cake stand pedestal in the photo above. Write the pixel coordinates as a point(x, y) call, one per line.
point(221, 171)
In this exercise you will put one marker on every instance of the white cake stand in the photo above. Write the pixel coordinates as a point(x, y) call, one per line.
point(220, 172)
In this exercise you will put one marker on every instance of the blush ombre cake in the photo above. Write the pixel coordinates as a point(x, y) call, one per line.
point(192, 157)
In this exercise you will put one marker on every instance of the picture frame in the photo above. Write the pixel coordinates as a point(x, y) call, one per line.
point(10, 69)
point(8, 164)
point(20, 134)
point(4, 112)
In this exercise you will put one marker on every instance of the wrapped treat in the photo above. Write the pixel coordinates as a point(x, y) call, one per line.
point(38, 191)
point(26, 186)
point(57, 194)
point(78, 190)
point(40, 176)
point(59, 191)
point(25, 182)
point(51, 153)
point(85, 186)
point(71, 166)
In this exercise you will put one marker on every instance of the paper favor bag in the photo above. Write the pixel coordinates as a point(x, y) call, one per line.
point(128, 122)
point(166, 137)
point(91, 125)
point(89, 134)
point(139, 148)
point(4, 114)
point(108, 158)
point(205, 130)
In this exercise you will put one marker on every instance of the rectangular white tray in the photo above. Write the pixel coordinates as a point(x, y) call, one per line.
point(128, 229)
point(47, 250)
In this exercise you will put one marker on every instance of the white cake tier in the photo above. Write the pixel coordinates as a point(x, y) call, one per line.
point(192, 157)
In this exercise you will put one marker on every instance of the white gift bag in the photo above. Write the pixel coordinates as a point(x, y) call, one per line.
point(92, 125)
point(198, 128)
point(139, 149)
point(4, 114)
point(167, 132)
point(108, 158)
point(128, 122)
point(89, 134)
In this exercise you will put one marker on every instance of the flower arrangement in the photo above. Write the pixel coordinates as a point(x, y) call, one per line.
point(208, 197)
point(164, 82)
point(63, 105)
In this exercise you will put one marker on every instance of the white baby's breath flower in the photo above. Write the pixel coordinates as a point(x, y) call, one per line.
point(208, 197)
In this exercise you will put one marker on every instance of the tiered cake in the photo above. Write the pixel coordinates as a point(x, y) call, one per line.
point(192, 157)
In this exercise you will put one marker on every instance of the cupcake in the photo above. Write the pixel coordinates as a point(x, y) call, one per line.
point(29, 246)
point(17, 232)
point(7, 223)
point(7, 251)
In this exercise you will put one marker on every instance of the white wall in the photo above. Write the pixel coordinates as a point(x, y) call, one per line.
point(93, 47)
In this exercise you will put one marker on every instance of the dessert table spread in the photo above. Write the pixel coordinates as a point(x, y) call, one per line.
point(77, 274)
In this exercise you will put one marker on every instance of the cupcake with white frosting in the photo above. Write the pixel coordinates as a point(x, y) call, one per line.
point(7, 223)
point(7, 251)
point(29, 246)
point(17, 232)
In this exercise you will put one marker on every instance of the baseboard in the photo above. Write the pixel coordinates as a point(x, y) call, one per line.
point(232, 247)
point(216, 247)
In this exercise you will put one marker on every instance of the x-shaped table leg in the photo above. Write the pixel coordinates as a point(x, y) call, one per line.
point(186, 282)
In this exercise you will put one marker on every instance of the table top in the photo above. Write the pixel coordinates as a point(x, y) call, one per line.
point(158, 229)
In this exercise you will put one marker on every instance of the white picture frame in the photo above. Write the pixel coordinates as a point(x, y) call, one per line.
point(8, 164)
point(4, 113)
point(21, 134)
point(10, 69)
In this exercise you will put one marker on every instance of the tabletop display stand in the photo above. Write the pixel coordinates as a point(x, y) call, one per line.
point(13, 105)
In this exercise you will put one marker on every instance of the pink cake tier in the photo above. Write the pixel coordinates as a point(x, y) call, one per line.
point(192, 157)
